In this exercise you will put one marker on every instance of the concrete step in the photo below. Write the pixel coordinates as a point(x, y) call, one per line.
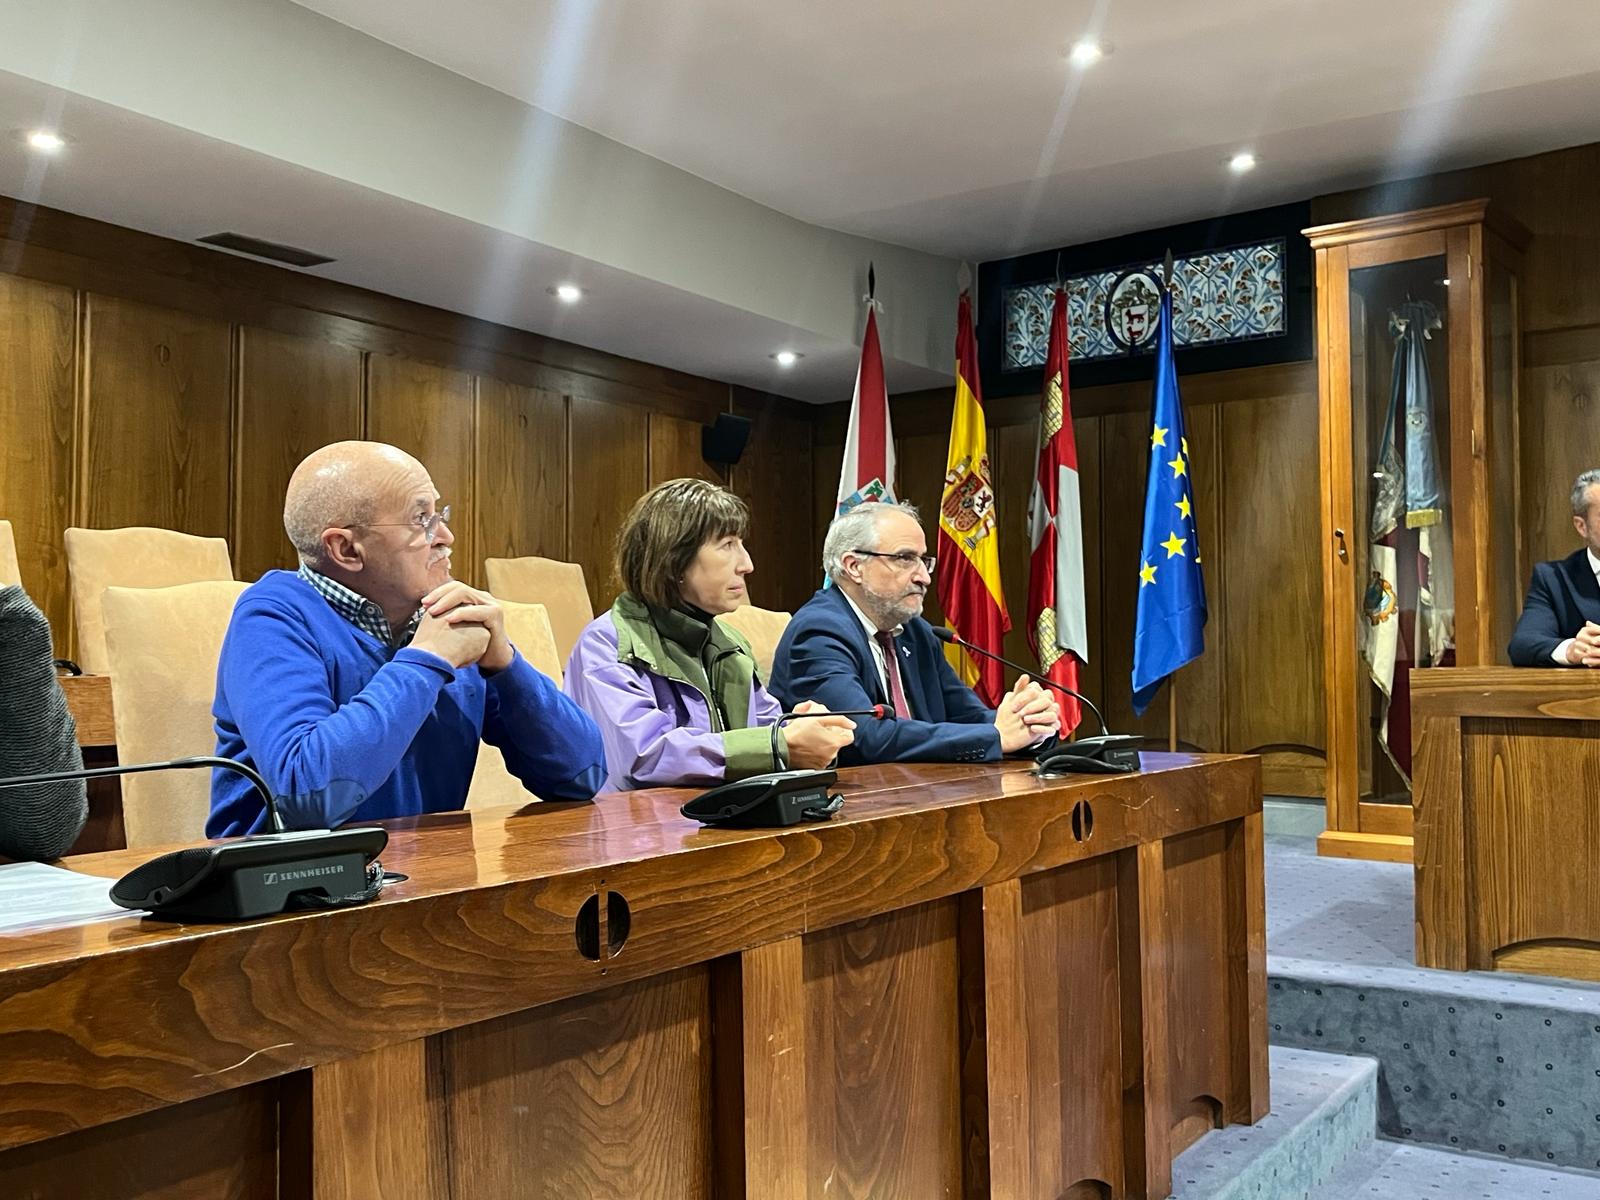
point(1324, 1110)
point(1399, 1171)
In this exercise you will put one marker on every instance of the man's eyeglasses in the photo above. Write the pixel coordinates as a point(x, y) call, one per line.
point(428, 524)
point(904, 560)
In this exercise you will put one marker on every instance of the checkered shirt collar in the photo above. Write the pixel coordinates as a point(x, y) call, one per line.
point(358, 610)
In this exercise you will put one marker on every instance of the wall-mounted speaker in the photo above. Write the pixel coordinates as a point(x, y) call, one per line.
point(722, 442)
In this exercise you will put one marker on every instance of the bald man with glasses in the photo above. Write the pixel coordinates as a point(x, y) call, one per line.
point(361, 684)
point(863, 641)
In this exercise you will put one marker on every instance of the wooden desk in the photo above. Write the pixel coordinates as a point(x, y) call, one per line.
point(89, 699)
point(1507, 766)
point(970, 983)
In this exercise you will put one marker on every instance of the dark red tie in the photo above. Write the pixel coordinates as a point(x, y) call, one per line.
point(891, 668)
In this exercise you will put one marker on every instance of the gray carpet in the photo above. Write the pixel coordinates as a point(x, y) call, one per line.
point(1493, 1063)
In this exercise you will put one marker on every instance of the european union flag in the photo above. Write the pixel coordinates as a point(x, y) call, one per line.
point(1169, 625)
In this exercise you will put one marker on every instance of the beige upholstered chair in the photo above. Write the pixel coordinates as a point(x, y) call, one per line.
point(559, 586)
point(10, 573)
point(528, 626)
point(132, 558)
point(762, 627)
point(162, 646)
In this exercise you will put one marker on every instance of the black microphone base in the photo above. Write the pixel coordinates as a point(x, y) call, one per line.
point(1107, 754)
point(255, 876)
point(774, 800)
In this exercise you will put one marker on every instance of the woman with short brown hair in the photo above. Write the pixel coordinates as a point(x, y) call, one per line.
point(674, 691)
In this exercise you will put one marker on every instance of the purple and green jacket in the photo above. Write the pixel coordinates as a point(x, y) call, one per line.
point(677, 699)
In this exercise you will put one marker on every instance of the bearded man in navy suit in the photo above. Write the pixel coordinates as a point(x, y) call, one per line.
point(1560, 622)
point(863, 642)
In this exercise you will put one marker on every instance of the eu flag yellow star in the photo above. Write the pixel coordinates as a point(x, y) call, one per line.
point(1183, 507)
point(1147, 574)
point(1174, 545)
point(1178, 466)
point(1185, 442)
point(1158, 436)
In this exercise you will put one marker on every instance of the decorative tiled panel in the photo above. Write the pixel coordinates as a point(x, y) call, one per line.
point(1230, 295)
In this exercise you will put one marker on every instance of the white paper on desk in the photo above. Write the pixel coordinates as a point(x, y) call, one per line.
point(35, 897)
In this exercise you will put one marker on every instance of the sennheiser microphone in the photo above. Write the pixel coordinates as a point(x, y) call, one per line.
point(248, 877)
point(1109, 753)
point(880, 712)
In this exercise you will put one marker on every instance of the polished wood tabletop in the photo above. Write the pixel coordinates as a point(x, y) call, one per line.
point(460, 851)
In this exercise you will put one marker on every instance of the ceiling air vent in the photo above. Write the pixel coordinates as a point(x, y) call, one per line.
point(256, 248)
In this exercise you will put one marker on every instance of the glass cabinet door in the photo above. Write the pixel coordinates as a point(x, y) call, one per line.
point(1400, 535)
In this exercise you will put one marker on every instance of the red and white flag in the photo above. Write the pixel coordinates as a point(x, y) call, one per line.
point(1058, 627)
point(868, 471)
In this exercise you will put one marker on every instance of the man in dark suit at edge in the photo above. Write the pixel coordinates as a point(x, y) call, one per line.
point(1560, 622)
point(863, 641)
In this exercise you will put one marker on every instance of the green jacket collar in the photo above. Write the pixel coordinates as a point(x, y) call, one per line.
point(707, 656)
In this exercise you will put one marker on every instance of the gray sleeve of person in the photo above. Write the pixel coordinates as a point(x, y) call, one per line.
point(36, 734)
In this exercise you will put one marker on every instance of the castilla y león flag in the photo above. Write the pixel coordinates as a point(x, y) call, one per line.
point(969, 543)
point(1058, 627)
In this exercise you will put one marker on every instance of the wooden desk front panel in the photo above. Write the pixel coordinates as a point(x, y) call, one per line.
point(961, 990)
point(1532, 841)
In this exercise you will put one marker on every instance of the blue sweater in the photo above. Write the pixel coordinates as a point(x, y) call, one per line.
point(344, 728)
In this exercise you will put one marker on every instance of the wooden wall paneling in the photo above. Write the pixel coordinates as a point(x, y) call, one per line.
point(295, 395)
point(675, 451)
point(222, 1145)
point(920, 463)
point(774, 477)
point(1202, 712)
point(520, 479)
point(1269, 610)
point(63, 248)
point(631, 1065)
point(427, 411)
point(158, 410)
point(1013, 459)
point(1125, 445)
point(38, 353)
point(826, 459)
point(1091, 482)
point(608, 448)
point(1560, 439)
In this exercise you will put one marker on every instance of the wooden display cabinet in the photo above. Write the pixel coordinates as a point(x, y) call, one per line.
point(1450, 274)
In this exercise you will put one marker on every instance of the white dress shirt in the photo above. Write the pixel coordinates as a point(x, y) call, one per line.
point(1560, 652)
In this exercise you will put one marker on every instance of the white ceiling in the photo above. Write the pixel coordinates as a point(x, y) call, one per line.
point(719, 172)
point(961, 129)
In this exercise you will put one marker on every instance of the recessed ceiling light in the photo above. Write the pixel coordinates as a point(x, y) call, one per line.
point(787, 358)
point(1086, 52)
point(567, 293)
point(1242, 162)
point(45, 141)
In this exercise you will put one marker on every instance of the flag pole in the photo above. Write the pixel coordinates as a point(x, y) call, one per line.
point(1172, 683)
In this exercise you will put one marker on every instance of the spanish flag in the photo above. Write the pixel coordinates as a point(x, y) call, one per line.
point(969, 542)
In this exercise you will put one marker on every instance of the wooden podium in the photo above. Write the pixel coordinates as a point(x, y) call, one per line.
point(971, 983)
point(1507, 793)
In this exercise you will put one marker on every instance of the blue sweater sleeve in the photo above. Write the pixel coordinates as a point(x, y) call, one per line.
point(321, 760)
point(548, 742)
point(822, 667)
